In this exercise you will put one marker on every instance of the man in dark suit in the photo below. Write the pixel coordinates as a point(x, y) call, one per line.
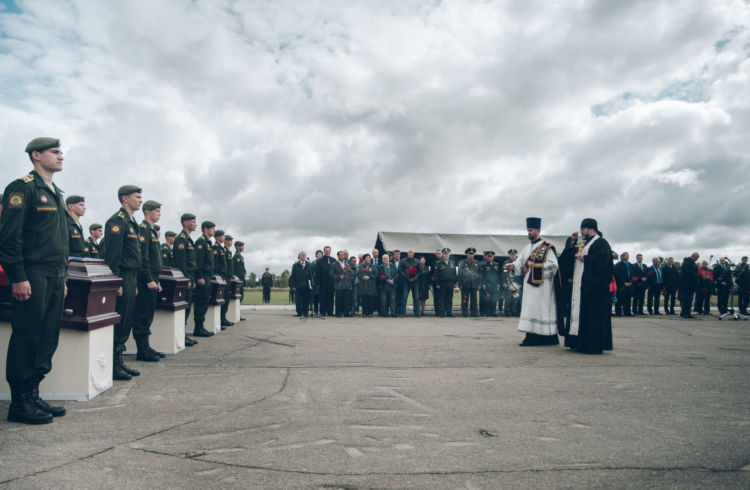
point(723, 282)
point(688, 284)
point(387, 278)
point(640, 280)
point(655, 287)
point(337, 274)
point(300, 281)
point(671, 281)
point(325, 282)
point(623, 273)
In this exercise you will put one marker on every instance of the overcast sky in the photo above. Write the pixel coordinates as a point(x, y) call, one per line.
point(294, 124)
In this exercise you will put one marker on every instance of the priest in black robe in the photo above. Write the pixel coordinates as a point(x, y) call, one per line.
point(586, 263)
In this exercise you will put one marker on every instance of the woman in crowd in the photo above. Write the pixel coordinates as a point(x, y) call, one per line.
point(367, 275)
point(424, 284)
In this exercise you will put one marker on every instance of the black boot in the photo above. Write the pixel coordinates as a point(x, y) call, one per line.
point(226, 323)
point(190, 342)
point(22, 408)
point(156, 352)
point(144, 350)
point(201, 332)
point(33, 388)
point(129, 370)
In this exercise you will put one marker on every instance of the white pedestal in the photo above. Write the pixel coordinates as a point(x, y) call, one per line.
point(81, 366)
point(233, 314)
point(167, 333)
point(213, 319)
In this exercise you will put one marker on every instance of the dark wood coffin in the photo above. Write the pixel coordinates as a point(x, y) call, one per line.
point(236, 288)
point(92, 294)
point(174, 287)
point(218, 286)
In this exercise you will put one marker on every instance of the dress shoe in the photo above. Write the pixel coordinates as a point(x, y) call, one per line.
point(226, 323)
point(202, 332)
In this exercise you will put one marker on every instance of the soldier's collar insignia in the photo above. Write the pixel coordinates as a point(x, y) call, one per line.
point(28, 178)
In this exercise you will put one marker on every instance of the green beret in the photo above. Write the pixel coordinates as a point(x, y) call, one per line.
point(157, 227)
point(228, 238)
point(187, 217)
point(126, 190)
point(239, 244)
point(41, 144)
point(94, 226)
point(150, 205)
point(170, 233)
point(208, 224)
point(219, 233)
point(74, 199)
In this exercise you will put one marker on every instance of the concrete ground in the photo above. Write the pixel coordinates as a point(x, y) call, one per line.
point(279, 402)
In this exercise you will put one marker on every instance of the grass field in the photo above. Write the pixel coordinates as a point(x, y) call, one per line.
point(281, 297)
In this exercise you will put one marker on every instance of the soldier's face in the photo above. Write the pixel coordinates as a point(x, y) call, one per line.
point(228, 243)
point(191, 224)
point(533, 233)
point(49, 160)
point(209, 231)
point(78, 208)
point(220, 239)
point(132, 201)
point(170, 240)
point(470, 256)
point(153, 215)
point(490, 258)
point(512, 257)
point(240, 248)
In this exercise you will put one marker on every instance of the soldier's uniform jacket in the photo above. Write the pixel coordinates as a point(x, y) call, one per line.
point(266, 280)
point(183, 255)
point(76, 247)
point(239, 267)
point(204, 257)
point(490, 274)
point(150, 253)
point(230, 262)
point(445, 272)
point(468, 273)
point(33, 228)
point(91, 249)
point(121, 243)
point(220, 260)
point(167, 256)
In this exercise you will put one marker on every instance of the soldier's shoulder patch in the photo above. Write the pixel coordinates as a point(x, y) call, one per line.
point(181, 246)
point(216, 252)
point(115, 228)
point(28, 178)
point(141, 238)
point(200, 246)
point(15, 200)
point(143, 225)
point(85, 249)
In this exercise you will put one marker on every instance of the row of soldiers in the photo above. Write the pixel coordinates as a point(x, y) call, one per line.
point(40, 231)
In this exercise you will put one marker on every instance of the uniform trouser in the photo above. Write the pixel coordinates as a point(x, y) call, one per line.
point(624, 295)
point(302, 301)
point(412, 286)
point(436, 300)
point(654, 296)
point(490, 295)
point(145, 304)
point(638, 293)
point(35, 327)
point(343, 301)
point(388, 301)
point(326, 299)
point(743, 299)
point(702, 302)
point(189, 298)
point(468, 296)
point(125, 307)
point(722, 298)
point(446, 299)
point(202, 295)
point(669, 299)
point(266, 295)
point(227, 297)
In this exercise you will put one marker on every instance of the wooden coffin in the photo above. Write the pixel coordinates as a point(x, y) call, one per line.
point(236, 288)
point(92, 294)
point(218, 286)
point(174, 287)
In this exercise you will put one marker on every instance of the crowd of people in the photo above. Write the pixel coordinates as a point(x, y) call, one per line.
point(40, 232)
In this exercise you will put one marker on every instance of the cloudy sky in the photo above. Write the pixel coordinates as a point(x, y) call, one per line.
point(294, 124)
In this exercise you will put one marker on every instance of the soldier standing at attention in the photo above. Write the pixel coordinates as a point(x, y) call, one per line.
point(34, 253)
point(239, 268)
point(91, 246)
point(445, 275)
point(76, 208)
point(220, 268)
point(490, 282)
point(228, 240)
point(184, 259)
point(148, 282)
point(167, 256)
point(123, 256)
point(204, 267)
point(468, 282)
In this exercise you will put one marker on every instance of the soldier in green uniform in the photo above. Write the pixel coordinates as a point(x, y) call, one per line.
point(239, 268)
point(228, 241)
point(204, 267)
point(489, 283)
point(122, 253)
point(468, 282)
point(183, 256)
point(91, 246)
point(167, 255)
point(510, 290)
point(33, 254)
point(445, 275)
point(220, 268)
point(76, 208)
point(148, 282)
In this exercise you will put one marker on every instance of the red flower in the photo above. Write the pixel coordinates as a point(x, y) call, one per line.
point(346, 268)
point(382, 276)
point(411, 272)
point(635, 278)
point(650, 273)
point(664, 293)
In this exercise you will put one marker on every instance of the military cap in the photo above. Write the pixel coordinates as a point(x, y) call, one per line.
point(157, 227)
point(41, 144)
point(228, 238)
point(187, 217)
point(150, 205)
point(535, 223)
point(470, 250)
point(207, 224)
point(73, 199)
point(589, 223)
point(219, 233)
point(126, 190)
point(94, 226)
point(170, 233)
point(512, 251)
point(239, 244)
point(489, 252)
point(446, 250)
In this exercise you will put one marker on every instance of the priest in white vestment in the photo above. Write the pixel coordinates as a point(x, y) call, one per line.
point(537, 263)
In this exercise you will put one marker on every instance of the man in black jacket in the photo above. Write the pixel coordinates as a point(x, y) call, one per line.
point(671, 281)
point(623, 273)
point(723, 282)
point(688, 284)
point(655, 287)
point(300, 282)
point(742, 278)
point(640, 284)
point(325, 282)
